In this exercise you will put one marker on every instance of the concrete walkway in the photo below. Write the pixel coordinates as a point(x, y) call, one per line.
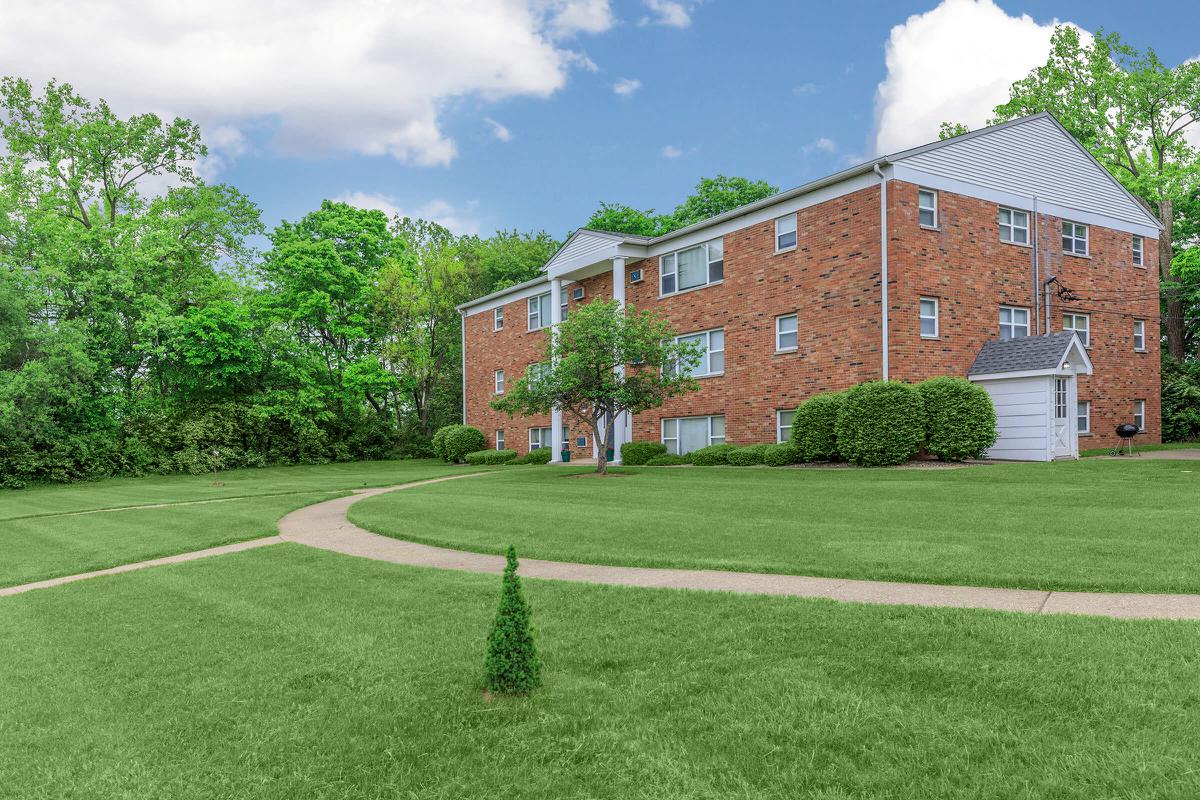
point(324, 525)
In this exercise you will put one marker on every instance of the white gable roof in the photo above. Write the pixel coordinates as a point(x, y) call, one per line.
point(1031, 156)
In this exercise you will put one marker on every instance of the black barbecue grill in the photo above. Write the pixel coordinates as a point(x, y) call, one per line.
point(1126, 431)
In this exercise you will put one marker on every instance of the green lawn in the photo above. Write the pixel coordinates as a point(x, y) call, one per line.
point(1142, 448)
point(43, 535)
point(1094, 525)
point(287, 672)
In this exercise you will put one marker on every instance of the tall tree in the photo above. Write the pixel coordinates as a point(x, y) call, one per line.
point(506, 258)
point(712, 196)
point(1132, 112)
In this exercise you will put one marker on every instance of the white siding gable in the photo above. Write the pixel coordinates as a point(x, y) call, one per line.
point(1033, 156)
point(582, 243)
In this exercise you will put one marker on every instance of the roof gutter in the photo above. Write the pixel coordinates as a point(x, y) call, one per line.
point(883, 260)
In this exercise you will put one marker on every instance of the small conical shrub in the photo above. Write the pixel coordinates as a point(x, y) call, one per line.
point(512, 666)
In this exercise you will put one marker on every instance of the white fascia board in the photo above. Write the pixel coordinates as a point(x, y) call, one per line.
point(901, 172)
point(764, 214)
point(1077, 350)
point(1026, 373)
point(496, 301)
point(615, 250)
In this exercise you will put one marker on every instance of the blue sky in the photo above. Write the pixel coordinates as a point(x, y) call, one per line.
point(506, 113)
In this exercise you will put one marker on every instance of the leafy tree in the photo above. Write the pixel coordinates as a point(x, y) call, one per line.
point(1132, 112)
point(601, 361)
point(717, 195)
point(620, 218)
point(512, 665)
point(505, 258)
point(949, 130)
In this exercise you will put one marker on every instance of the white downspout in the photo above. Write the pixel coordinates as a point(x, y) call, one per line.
point(883, 261)
point(462, 318)
point(1037, 273)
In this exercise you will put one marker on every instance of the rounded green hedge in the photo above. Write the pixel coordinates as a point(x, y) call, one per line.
point(487, 457)
point(780, 455)
point(635, 454)
point(960, 420)
point(668, 460)
point(712, 456)
point(540, 456)
point(748, 456)
point(881, 423)
point(456, 441)
point(814, 427)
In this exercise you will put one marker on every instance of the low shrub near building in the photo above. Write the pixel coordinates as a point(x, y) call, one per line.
point(456, 441)
point(780, 455)
point(814, 427)
point(712, 456)
point(487, 457)
point(635, 454)
point(880, 423)
point(748, 456)
point(668, 460)
point(960, 419)
point(540, 456)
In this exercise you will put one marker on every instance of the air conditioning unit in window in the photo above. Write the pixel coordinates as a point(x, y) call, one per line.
point(635, 276)
point(577, 293)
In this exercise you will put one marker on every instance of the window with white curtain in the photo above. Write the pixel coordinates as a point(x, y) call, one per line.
point(712, 358)
point(692, 267)
point(539, 438)
point(539, 311)
point(682, 435)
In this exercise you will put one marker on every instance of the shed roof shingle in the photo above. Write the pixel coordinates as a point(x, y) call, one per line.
point(1022, 354)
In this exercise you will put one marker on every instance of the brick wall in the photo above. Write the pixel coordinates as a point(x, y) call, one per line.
point(831, 281)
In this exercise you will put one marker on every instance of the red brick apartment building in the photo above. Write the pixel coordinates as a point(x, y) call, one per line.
point(1007, 232)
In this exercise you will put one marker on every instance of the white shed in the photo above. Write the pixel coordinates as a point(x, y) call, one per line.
point(1032, 381)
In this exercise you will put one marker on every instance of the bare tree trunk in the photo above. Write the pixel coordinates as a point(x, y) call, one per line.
point(1171, 288)
point(601, 445)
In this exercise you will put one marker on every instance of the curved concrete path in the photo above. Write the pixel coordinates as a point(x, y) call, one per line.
point(325, 526)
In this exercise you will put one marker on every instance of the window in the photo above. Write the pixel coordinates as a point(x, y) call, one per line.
point(1139, 414)
point(539, 311)
point(928, 314)
point(562, 305)
point(927, 208)
point(785, 233)
point(1138, 248)
point(1075, 239)
point(635, 275)
point(1083, 416)
point(1139, 335)
point(712, 359)
point(1060, 398)
point(499, 381)
point(537, 371)
point(1081, 324)
point(566, 442)
point(498, 321)
point(577, 293)
point(581, 441)
point(786, 333)
point(1014, 226)
point(692, 267)
point(1014, 322)
point(783, 425)
point(499, 440)
point(539, 438)
point(682, 435)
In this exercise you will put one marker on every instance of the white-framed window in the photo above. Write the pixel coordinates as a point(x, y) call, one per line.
point(787, 333)
point(1014, 322)
point(1139, 414)
point(927, 208)
point(682, 435)
point(691, 267)
point(539, 311)
point(1081, 324)
point(785, 233)
point(1139, 335)
point(498, 319)
point(928, 313)
point(499, 440)
point(712, 359)
point(536, 371)
point(539, 438)
point(577, 293)
point(1014, 226)
point(563, 303)
point(499, 381)
point(783, 424)
point(1083, 416)
point(1060, 398)
point(1075, 239)
point(581, 442)
point(1139, 255)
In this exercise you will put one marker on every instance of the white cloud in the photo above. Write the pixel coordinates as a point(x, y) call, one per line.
point(820, 145)
point(460, 221)
point(805, 88)
point(356, 76)
point(668, 12)
point(626, 86)
point(499, 131)
point(671, 151)
point(952, 64)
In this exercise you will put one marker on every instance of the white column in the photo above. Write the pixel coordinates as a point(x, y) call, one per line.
point(620, 423)
point(556, 422)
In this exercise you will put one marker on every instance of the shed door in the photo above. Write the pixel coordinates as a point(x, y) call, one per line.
point(1064, 424)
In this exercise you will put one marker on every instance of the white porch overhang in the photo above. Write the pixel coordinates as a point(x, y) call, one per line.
point(589, 253)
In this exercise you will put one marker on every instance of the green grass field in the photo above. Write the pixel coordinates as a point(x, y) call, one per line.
point(1094, 525)
point(286, 672)
point(44, 535)
point(1142, 448)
